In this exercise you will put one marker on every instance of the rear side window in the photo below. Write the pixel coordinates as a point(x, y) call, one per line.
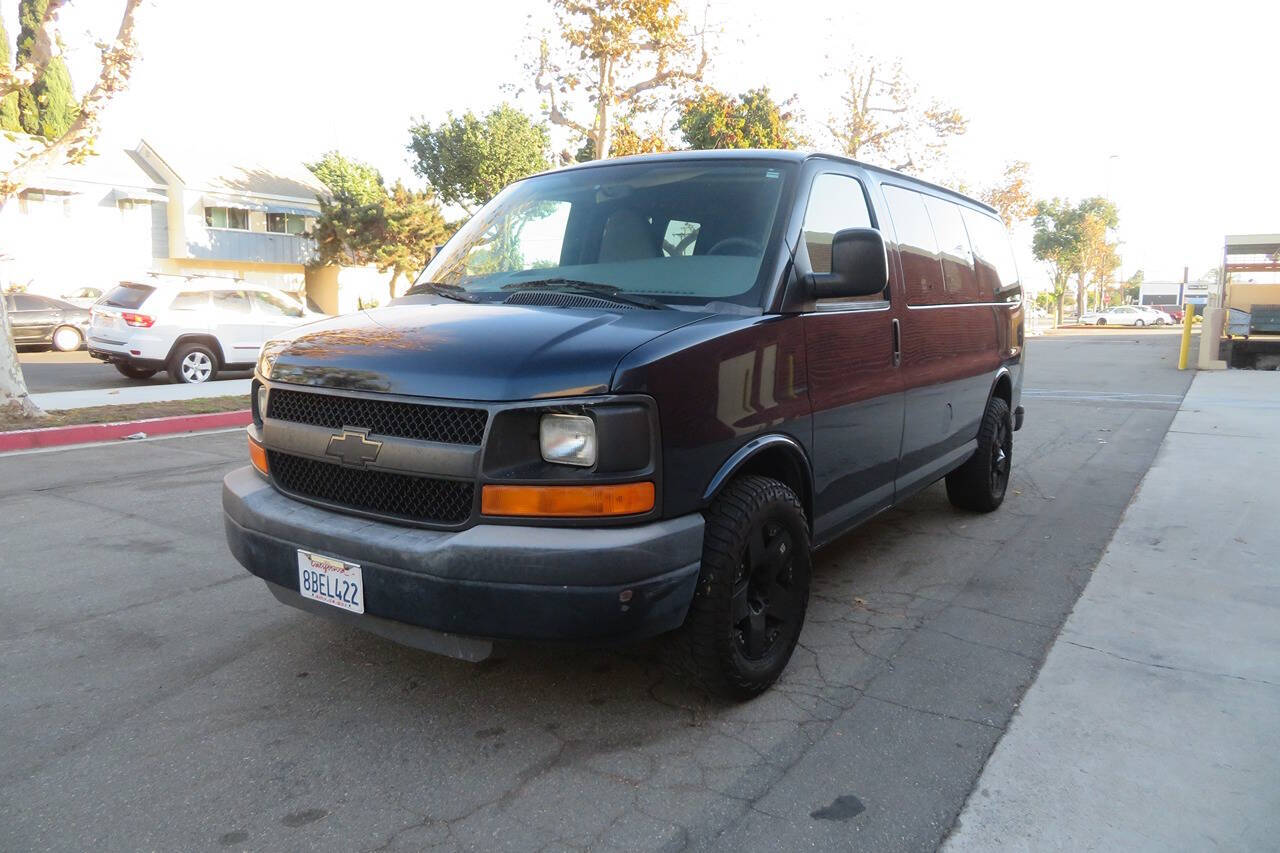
point(128, 295)
point(997, 269)
point(191, 300)
point(917, 247)
point(276, 306)
point(959, 281)
point(234, 301)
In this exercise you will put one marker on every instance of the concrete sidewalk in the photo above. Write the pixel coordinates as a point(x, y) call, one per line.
point(1155, 721)
point(141, 394)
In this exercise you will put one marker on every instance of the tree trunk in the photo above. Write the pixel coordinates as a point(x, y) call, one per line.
point(1062, 297)
point(395, 275)
point(1082, 296)
point(604, 132)
point(13, 386)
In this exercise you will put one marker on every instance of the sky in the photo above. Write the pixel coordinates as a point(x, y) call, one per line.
point(1169, 109)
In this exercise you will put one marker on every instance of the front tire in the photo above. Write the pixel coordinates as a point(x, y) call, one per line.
point(1139, 323)
point(192, 364)
point(752, 592)
point(67, 339)
point(980, 484)
point(1101, 322)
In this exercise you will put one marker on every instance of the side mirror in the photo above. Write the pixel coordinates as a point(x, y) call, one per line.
point(859, 266)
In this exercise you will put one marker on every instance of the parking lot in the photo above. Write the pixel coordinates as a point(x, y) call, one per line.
point(156, 696)
point(74, 371)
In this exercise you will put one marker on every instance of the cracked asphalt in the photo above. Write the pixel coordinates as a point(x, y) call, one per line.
point(155, 696)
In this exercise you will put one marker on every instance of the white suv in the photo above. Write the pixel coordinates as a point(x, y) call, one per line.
point(192, 328)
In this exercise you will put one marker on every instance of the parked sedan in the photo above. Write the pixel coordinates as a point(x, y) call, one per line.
point(42, 321)
point(1124, 315)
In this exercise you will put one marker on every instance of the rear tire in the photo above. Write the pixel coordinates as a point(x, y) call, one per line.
point(1139, 323)
point(1101, 322)
point(980, 484)
point(134, 372)
point(752, 592)
point(67, 339)
point(192, 364)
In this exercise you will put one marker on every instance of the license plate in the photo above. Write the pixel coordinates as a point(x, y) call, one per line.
point(331, 581)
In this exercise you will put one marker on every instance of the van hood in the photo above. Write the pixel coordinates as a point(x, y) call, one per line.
point(469, 351)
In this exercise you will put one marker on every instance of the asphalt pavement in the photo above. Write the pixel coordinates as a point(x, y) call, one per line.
point(155, 696)
point(75, 371)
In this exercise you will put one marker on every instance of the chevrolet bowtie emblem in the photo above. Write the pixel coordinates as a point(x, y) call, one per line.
point(353, 447)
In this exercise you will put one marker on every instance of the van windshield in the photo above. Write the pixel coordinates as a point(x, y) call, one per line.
point(684, 231)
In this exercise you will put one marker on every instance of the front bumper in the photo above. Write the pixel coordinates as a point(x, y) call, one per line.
point(489, 581)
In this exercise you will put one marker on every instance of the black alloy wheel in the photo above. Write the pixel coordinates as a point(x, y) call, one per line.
point(753, 589)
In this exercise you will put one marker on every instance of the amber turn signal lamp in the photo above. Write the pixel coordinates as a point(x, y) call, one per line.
point(258, 456)
point(567, 501)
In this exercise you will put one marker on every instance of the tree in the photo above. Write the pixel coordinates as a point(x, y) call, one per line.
point(46, 107)
point(884, 120)
point(1054, 243)
point(1097, 254)
point(1132, 290)
point(414, 227)
point(754, 119)
point(352, 179)
point(467, 160)
point(9, 103)
point(73, 145)
point(361, 223)
point(612, 58)
point(1010, 195)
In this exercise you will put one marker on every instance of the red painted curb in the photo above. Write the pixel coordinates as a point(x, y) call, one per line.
point(85, 433)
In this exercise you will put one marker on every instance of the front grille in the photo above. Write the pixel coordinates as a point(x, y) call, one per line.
point(448, 424)
point(421, 499)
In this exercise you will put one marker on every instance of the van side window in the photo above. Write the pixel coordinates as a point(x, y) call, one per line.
point(917, 246)
point(997, 270)
point(836, 202)
point(959, 281)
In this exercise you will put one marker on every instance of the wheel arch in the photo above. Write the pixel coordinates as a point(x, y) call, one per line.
point(1002, 387)
point(775, 455)
point(208, 340)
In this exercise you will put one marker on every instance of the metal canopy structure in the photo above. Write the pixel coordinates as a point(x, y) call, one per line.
point(1251, 253)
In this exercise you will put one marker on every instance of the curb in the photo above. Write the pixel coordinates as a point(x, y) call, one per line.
point(29, 439)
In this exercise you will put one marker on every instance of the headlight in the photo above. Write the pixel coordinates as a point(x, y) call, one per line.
point(262, 401)
point(568, 439)
point(267, 358)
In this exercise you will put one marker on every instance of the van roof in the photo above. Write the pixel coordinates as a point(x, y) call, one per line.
point(779, 155)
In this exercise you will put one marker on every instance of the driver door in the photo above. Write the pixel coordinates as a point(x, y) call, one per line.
point(855, 385)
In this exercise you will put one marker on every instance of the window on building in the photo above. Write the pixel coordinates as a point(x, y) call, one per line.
point(235, 218)
point(286, 223)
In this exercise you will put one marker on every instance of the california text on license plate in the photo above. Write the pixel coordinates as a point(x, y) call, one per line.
point(331, 581)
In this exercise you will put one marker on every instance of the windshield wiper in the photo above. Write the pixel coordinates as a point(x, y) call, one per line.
point(594, 288)
point(440, 288)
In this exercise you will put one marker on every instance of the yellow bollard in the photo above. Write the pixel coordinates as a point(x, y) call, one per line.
point(1188, 313)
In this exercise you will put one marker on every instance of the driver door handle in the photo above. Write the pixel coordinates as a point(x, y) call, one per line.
point(897, 343)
